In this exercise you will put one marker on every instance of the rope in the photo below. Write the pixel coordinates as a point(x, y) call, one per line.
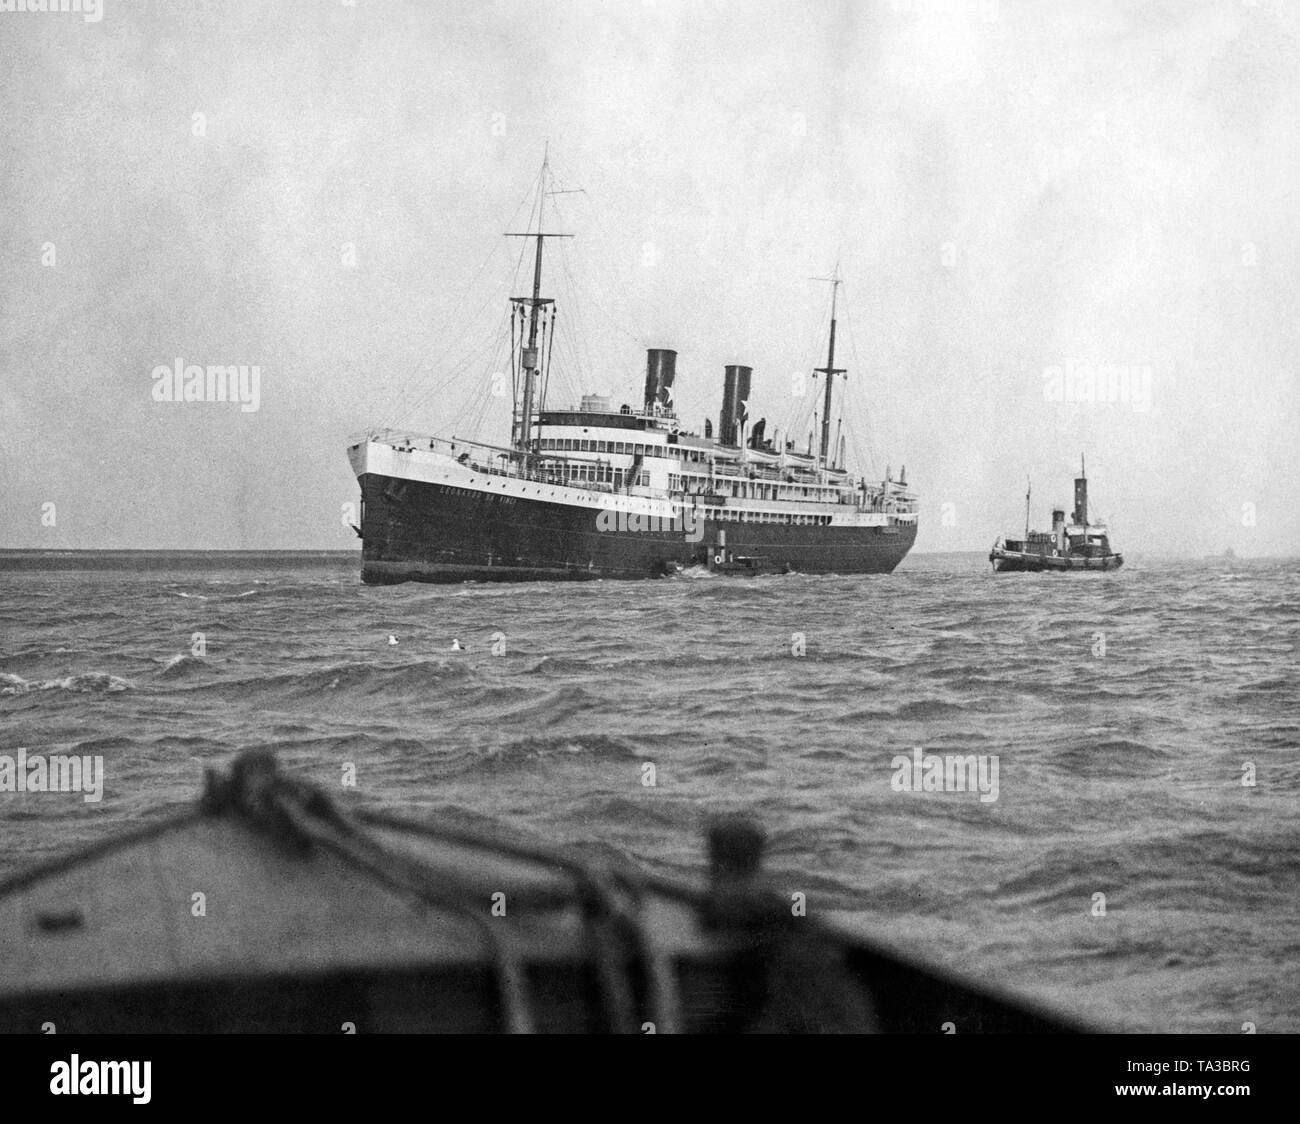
point(304, 817)
point(611, 925)
point(550, 351)
point(99, 850)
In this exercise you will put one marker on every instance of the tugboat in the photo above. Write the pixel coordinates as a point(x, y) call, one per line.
point(1079, 545)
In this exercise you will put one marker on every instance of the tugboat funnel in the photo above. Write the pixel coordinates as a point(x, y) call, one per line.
point(1081, 498)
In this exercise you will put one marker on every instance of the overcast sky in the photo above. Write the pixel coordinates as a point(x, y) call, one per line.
point(319, 190)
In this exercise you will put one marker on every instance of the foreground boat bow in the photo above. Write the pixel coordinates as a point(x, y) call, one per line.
point(267, 908)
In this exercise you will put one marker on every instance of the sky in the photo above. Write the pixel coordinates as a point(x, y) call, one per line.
point(1025, 200)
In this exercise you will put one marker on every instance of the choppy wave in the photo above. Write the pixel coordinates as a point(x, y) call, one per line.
point(1125, 715)
point(93, 682)
point(182, 665)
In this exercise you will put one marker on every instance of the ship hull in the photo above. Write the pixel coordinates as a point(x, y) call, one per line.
point(1013, 562)
point(432, 532)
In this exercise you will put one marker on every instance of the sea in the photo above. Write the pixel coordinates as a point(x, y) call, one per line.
point(1136, 865)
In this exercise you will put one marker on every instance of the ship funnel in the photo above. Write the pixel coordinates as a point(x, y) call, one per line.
point(660, 368)
point(735, 404)
point(1081, 498)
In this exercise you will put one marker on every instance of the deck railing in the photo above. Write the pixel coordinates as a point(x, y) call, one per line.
point(495, 460)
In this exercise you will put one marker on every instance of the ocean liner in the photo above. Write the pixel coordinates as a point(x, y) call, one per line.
point(598, 491)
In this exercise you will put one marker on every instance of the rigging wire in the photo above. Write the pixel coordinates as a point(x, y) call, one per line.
point(550, 354)
point(514, 367)
point(478, 403)
point(568, 359)
point(584, 296)
point(406, 408)
point(803, 408)
point(867, 459)
point(402, 410)
point(454, 372)
point(451, 376)
point(586, 373)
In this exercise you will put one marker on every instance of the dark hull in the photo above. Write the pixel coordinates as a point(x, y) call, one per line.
point(414, 531)
point(1013, 563)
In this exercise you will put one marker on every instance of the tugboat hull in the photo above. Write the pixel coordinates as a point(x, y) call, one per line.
point(1010, 561)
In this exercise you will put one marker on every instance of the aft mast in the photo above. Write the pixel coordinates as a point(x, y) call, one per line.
point(830, 370)
point(535, 303)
